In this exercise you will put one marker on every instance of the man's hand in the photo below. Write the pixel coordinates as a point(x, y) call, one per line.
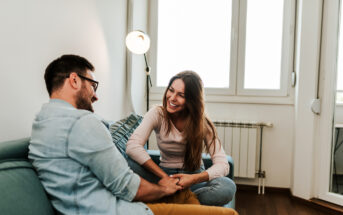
point(170, 184)
point(148, 192)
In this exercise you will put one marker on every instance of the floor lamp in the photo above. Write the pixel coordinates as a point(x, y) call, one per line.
point(138, 42)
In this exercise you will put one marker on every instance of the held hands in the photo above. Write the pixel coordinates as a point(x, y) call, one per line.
point(170, 185)
point(185, 180)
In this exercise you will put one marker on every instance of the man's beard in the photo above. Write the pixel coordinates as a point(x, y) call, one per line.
point(83, 101)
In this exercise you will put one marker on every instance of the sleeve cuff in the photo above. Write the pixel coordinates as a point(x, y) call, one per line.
point(134, 186)
point(217, 170)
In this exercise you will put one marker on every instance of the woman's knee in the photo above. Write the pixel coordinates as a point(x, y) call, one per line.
point(225, 187)
point(218, 191)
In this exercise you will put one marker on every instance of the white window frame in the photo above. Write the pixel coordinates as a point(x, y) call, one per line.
point(236, 92)
point(324, 124)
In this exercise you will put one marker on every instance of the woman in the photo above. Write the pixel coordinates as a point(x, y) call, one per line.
point(182, 128)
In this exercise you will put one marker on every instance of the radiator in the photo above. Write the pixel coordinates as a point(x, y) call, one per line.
point(240, 141)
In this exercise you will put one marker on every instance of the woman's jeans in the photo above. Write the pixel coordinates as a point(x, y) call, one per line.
point(218, 191)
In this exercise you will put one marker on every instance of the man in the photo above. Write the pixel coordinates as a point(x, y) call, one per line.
point(77, 163)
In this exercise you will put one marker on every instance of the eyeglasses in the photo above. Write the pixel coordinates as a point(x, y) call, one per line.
point(95, 84)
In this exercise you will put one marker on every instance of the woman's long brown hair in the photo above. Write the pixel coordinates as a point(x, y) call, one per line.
point(197, 124)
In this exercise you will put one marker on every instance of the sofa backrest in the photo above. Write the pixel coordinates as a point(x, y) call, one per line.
point(21, 191)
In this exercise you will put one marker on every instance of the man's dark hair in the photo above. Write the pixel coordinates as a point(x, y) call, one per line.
point(59, 69)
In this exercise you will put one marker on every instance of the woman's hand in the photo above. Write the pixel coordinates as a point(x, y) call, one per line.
point(185, 180)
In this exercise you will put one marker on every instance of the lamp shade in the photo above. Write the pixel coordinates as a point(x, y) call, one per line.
point(137, 42)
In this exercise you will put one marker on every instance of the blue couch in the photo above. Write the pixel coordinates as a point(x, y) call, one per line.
point(20, 189)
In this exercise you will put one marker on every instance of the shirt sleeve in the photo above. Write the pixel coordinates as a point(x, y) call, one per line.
point(135, 145)
point(90, 143)
point(220, 166)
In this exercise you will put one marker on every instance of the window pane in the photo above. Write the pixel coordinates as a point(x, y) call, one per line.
point(194, 35)
point(263, 44)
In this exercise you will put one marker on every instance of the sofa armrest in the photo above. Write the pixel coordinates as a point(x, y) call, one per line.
point(155, 156)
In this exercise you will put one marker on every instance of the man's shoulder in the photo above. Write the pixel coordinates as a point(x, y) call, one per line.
point(90, 121)
point(57, 110)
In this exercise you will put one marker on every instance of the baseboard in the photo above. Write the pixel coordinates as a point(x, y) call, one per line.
point(333, 207)
point(245, 187)
point(325, 207)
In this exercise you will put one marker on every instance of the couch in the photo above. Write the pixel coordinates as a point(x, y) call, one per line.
point(20, 189)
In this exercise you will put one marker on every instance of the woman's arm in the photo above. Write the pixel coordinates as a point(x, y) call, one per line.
point(154, 168)
point(135, 145)
point(220, 166)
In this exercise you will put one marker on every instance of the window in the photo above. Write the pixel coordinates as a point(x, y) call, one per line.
point(238, 47)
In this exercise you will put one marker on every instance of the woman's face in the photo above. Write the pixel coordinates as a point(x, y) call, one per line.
point(175, 96)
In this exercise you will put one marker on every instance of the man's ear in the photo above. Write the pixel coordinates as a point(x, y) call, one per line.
point(74, 81)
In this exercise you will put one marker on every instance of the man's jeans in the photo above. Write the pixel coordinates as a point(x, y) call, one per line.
point(218, 191)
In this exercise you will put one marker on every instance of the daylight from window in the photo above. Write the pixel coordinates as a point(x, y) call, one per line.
point(194, 35)
point(263, 44)
point(339, 95)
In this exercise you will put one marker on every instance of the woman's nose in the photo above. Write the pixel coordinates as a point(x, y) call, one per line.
point(173, 97)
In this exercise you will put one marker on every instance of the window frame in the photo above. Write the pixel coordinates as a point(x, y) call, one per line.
point(236, 92)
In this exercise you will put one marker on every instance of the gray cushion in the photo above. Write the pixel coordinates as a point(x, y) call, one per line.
point(122, 130)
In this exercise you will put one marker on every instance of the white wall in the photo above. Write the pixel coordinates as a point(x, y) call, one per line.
point(33, 33)
point(277, 141)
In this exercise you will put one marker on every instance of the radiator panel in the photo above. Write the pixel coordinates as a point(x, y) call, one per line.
point(251, 166)
point(236, 138)
point(243, 153)
point(240, 142)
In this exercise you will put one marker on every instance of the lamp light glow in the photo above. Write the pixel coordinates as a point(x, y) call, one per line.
point(137, 42)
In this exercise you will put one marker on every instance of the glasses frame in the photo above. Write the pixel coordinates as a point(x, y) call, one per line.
point(95, 87)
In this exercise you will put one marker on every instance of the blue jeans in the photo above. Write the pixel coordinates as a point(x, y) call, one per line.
point(218, 191)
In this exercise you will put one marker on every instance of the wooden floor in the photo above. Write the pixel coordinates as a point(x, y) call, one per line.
point(248, 202)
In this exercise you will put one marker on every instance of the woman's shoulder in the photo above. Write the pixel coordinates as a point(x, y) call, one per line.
point(156, 110)
point(155, 113)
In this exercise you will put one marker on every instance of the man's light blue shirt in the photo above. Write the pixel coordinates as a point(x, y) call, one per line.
point(78, 164)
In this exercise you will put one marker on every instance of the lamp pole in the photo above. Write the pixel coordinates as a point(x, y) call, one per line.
point(148, 82)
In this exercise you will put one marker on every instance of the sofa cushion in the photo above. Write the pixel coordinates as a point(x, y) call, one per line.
point(122, 130)
point(21, 190)
point(14, 149)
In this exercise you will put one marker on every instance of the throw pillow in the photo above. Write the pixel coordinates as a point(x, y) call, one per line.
point(122, 130)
